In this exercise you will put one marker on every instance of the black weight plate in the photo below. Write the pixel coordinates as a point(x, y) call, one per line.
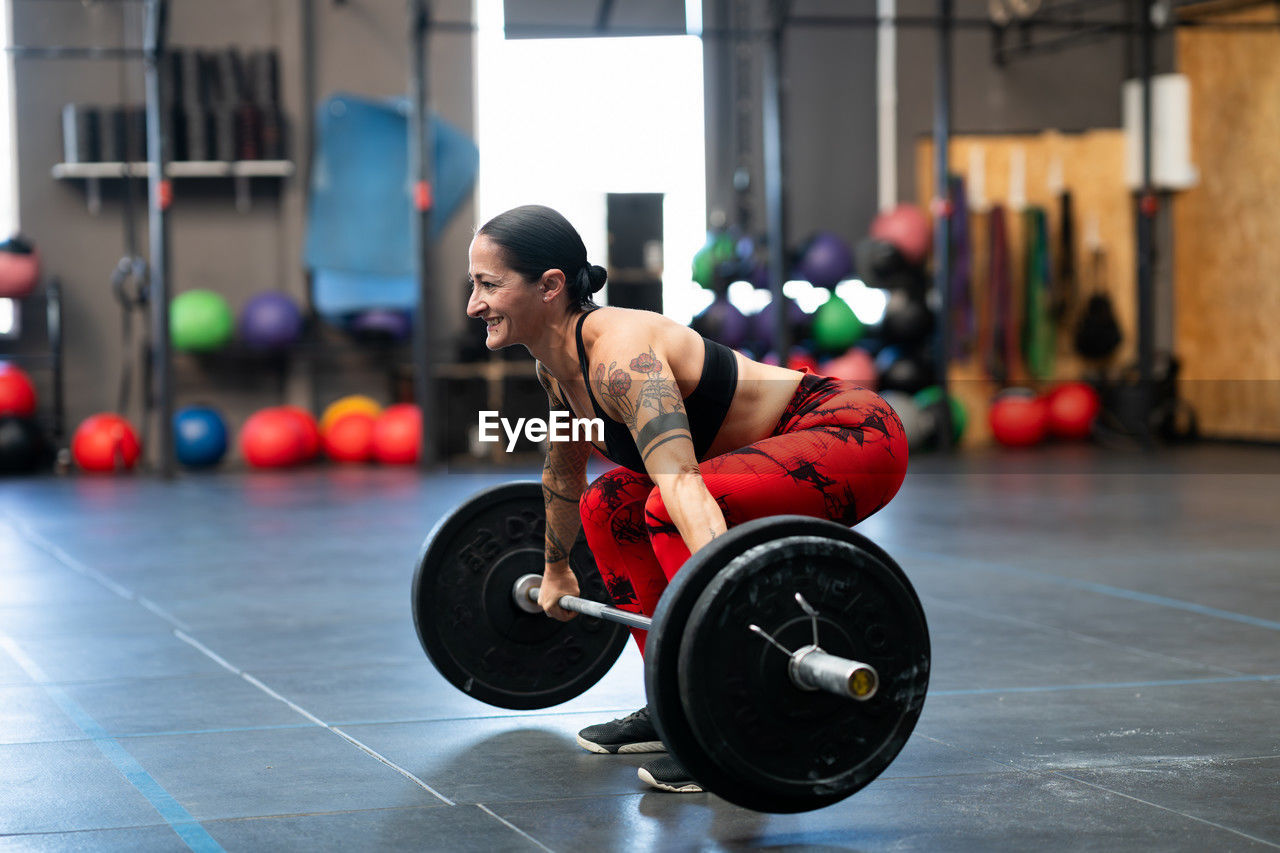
point(792, 746)
point(467, 619)
point(741, 727)
point(662, 646)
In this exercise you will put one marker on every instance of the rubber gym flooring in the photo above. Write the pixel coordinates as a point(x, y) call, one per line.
point(228, 661)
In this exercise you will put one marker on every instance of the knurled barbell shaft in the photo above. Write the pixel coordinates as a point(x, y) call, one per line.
point(810, 668)
point(601, 611)
point(526, 596)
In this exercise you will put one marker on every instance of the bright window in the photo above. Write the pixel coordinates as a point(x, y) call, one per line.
point(8, 166)
point(564, 122)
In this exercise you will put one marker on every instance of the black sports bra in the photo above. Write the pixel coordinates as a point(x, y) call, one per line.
point(706, 405)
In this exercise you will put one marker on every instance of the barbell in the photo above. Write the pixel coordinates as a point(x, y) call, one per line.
point(785, 666)
point(809, 667)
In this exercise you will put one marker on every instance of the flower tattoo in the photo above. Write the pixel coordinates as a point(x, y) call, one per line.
point(646, 363)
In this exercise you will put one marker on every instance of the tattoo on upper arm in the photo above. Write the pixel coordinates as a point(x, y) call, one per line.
point(658, 393)
point(647, 449)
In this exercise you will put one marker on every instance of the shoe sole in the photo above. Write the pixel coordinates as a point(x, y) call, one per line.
point(623, 749)
point(679, 788)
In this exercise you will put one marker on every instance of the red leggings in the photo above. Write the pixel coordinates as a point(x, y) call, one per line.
point(838, 452)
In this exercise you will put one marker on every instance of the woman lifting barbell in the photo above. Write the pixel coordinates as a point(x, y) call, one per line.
point(704, 437)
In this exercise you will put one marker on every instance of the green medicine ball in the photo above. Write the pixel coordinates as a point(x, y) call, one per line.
point(200, 321)
point(835, 326)
point(718, 249)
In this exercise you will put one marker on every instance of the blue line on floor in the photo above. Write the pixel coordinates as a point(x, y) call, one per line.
point(179, 819)
point(1128, 685)
point(1114, 591)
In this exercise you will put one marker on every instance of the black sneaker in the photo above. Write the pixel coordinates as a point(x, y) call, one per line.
point(632, 733)
point(667, 774)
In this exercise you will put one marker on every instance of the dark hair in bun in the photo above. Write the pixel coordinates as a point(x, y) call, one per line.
point(534, 239)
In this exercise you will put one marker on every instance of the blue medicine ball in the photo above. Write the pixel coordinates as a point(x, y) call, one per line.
point(199, 436)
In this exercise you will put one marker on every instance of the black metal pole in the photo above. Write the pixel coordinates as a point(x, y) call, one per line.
point(420, 168)
point(1147, 208)
point(159, 196)
point(942, 212)
point(307, 31)
point(775, 209)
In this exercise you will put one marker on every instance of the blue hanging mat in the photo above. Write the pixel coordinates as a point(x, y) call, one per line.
point(360, 212)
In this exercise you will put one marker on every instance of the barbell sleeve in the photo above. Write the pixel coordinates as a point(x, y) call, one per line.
point(811, 668)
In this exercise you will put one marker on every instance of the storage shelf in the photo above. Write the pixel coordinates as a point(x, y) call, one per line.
point(178, 169)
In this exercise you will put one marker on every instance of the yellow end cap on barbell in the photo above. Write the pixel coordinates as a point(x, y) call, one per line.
point(863, 682)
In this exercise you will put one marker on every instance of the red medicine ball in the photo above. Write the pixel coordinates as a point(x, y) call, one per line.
point(1073, 407)
point(19, 268)
point(310, 431)
point(272, 438)
point(105, 442)
point(397, 435)
point(801, 360)
point(17, 394)
point(1019, 419)
point(908, 229)
point(350, 438)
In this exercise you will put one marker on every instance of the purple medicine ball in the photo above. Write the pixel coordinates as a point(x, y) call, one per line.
point(827, 260)
point(270, 321)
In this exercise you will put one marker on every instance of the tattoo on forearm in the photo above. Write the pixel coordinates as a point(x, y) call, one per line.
point(556, 552)
point(563, 481)
point(549, 494)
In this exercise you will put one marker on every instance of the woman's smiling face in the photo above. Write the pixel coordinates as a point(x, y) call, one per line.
point(507, 303)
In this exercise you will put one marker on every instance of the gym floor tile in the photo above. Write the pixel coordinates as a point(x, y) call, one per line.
point(28, 715)
point(1240, 794)
point(239, 606)
point(139, 839)
point(446, 829)
point(1193, 575)
point(537, 757)
point(212, 702)
point(281, 771)
point(1204, 639)
point(417, 692)
point(12, 675)
point(1114, 726)
point(112, 616)
point(970, 649)
point(336, 643)
point(49, 587)
point(19, 557)
point(101, 657)
point(1014, 812)
point(66, 786)
point(494, 759)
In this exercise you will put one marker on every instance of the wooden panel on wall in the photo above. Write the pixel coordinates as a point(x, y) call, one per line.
point(1091, 166)
point(1226, 246)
